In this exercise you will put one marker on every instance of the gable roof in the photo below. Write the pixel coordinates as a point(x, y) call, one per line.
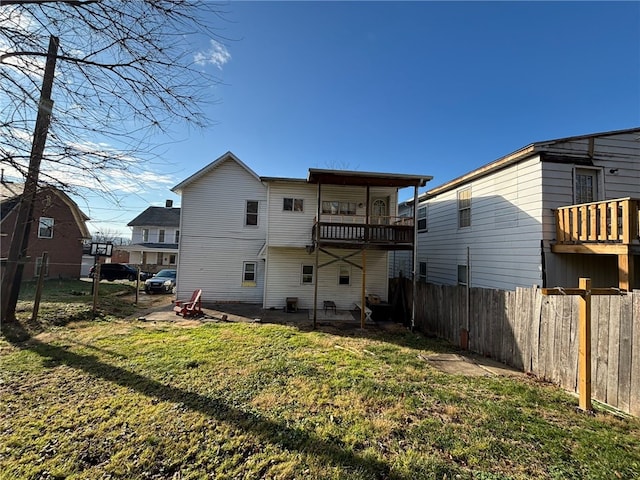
point(157, 217)
point(209, 168)
point(515, 157)
point(11, 193)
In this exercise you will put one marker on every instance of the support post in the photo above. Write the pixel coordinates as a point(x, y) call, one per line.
point(414, 279)
point(317, 248)
point(363, 298)
point(96, 283)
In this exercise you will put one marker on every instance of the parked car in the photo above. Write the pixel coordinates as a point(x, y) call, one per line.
point(115, 271)
point(164, 281)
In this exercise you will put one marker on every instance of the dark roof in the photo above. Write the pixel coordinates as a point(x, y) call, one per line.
point(346, 177)
point(157, 217)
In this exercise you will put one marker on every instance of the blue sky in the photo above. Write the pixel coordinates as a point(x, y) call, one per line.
point(432, 88)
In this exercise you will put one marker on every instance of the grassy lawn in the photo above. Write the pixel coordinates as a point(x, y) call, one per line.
point(114, 398)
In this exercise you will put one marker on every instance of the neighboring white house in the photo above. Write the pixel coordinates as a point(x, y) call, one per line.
point(256, 239)
point(155, 238)
point(506, 217)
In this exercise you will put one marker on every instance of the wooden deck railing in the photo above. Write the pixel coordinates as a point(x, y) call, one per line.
point(363, 233)
point(609, 221)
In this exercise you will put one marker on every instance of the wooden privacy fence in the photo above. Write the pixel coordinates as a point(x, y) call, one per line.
point(539, 334)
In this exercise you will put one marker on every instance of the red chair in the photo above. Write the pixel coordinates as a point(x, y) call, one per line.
point(192, 307)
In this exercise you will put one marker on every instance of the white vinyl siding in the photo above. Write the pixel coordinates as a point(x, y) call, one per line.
point(504, 236)
point(214, 240)
point(284, 270)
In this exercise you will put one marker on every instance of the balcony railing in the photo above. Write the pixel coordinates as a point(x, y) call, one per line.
point(355, 230)
point(610, 221)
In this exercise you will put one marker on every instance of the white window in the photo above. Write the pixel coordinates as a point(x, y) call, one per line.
point(344, 275)
point(585, 185)
point(293, 204)
point(45, 227)
point(307, 275)
point(249, 274)
point(464, 208)
point(161, 236)
point(335, 207)
point(251, 213)
point(39, 267)
point(422, 219)
point(177, 237)
point(422, 271)
point(145, 234)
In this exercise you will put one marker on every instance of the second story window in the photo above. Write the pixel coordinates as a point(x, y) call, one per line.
point(422, 219)
point(464, 208)
point(344, 275)
point(161, 236)
point(251, 213)
point(177, 237)
point(45, 227)
point(293, 204)
point(145, 234)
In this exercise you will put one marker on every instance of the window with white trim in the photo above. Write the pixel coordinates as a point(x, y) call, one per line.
point(249, 274)
point(161, 236)
point(39, 266)
point(335, 207)
point(293, 204)
point(306, 275)
point(145, 234)
point(177, 237)
point(344, 275)
point(251, 213)
point(464, 208)
point(422, 219)
point(45, 227)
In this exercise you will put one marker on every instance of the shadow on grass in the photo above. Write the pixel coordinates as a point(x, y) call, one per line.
point(274, 432)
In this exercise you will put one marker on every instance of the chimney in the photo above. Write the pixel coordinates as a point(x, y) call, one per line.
point(169, 204)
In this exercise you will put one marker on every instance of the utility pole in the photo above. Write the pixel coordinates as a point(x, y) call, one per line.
point(20, 240)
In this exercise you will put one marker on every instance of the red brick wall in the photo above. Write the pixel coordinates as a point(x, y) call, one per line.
point(64, 249)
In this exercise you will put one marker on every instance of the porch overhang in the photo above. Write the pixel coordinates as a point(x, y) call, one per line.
point(372, 179)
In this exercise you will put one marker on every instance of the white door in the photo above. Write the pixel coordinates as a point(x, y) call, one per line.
point(379, 212)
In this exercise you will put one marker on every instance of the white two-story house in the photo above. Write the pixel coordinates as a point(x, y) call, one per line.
point(544, 215)
point(246, 238)
point(154, 238)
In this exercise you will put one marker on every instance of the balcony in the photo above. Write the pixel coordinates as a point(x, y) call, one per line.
point(354, 231)
point(608, 227)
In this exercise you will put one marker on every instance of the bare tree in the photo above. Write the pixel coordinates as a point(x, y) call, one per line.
point(125, 71)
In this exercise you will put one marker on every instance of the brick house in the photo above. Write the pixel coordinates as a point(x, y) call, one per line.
point(58, 228)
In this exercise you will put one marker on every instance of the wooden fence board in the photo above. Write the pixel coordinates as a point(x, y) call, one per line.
point(574, 340)
point(599, 353)
point(624, 356)
point(534, 332)
point(543, 346)
point(634, 391)
point(613, 351)
point(565, 345)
